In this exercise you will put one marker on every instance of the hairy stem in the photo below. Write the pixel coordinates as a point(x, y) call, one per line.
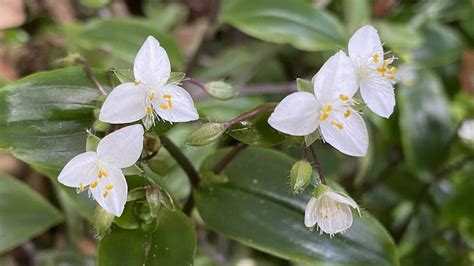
point(91, 75)
point(249, 115)
point(182, 160)
point(318, 165)
point(221, 165)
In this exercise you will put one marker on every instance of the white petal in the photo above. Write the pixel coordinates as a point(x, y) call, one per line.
point(123, 147)
point(333, 217)
point(466, 130)
point(365, 43)
point(336, 77)
point(379, 96)
point(125, 104)
point(80, 170)
point(174, 104)
point(152, 65)
point(296, 114)
point(309, 212)
point(341, 199)
point(111, 191)
point(352, 139)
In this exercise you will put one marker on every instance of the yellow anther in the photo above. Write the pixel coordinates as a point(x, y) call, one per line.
point(347, 113)
point(109, 187)
point(391, 77)
point(337, 124)
point(102, 173)
point(94, 184)
point(137, 82)
point(393, 70)
point(323, 117)
point(106, 193)
point(152, 95)
point(343, 97)
point(327, 109)
point(149, 110)
point(81, 187)
point(376, 58)
point(168, 104)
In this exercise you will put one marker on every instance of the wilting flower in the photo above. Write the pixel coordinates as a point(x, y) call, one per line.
point(329, 108)
point(149, 96)
point(329, 210)
point(101, 170)
point(374, 74)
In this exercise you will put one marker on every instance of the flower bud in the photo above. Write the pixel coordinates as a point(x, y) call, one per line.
point(91, 142)
point(159, 165)
point(220, 90)
point(153, 200)
point(100, 126)
point(300, 175)
point(206, 134)
point(102, 221)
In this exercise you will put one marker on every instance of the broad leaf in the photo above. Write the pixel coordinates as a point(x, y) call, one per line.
point(256, 208)
point(173, 243)
point(44, 117)
point(298, 24)
point(425, 122)
point(25, 214)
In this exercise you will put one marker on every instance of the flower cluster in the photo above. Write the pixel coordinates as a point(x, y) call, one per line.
point(148, 98)
point(331, 110)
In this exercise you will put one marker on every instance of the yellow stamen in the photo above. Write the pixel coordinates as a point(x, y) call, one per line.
point(327, 109)
point(343, 97)
point(347, 113)
point(137, 82)
point(323, 117)
point(391, 77)
point(168, 104)
point(149, 110)
point(376, 58)
point(94, 184)
point(152, 96)
point(337, 124)
point(81, 187)
point(102, 173)
point(393, 70)
point(109, 187)
point(106, 193)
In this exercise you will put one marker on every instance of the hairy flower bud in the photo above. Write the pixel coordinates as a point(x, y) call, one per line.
point(153, 200)
point(102, 221)
point(300, 175)
point(206, 134)
point(220, 90)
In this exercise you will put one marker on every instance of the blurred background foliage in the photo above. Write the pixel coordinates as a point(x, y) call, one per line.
point(417, 179)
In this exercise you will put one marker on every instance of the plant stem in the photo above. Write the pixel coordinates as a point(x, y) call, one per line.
point(249, 114)
point(91, 75)
point(318, 165)
point(182, 160)
point(221, 165)
point(196, 83)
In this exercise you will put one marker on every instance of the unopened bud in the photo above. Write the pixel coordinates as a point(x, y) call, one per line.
point(159, 165)
point(220, 90)
point(320, 189)
point(300, 175)
point(91, 142)
point(102, 222)
point(100, 126)
point(153, 200)
point(206, 134)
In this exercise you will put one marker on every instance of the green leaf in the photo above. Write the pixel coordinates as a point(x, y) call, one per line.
point(256, 131)
point(441, 45)
point(173, 243)
point(43, 121)
point(256, 208)
point(356, 13)
point(120, 39)
point(425, 122)
point(94, 3)
point(277, 21)
point(398, 37)
point(25, 214)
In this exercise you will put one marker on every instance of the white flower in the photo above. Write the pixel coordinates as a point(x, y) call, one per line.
point(329, 211)
point(466, 131)
point(101, 170)
point(329, 108)
point(374, 73)
point(149, 96)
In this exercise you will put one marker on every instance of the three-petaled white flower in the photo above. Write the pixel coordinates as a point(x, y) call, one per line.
point(375, 76)
point(149, 96)
point(329, 108)
point(101, 170)
point(329, 210)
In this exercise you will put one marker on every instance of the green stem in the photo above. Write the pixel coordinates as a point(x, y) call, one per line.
point(74, 226)
point(182, 160)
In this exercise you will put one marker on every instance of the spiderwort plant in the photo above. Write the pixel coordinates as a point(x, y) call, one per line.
point(101, 171)
point(149, 97)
